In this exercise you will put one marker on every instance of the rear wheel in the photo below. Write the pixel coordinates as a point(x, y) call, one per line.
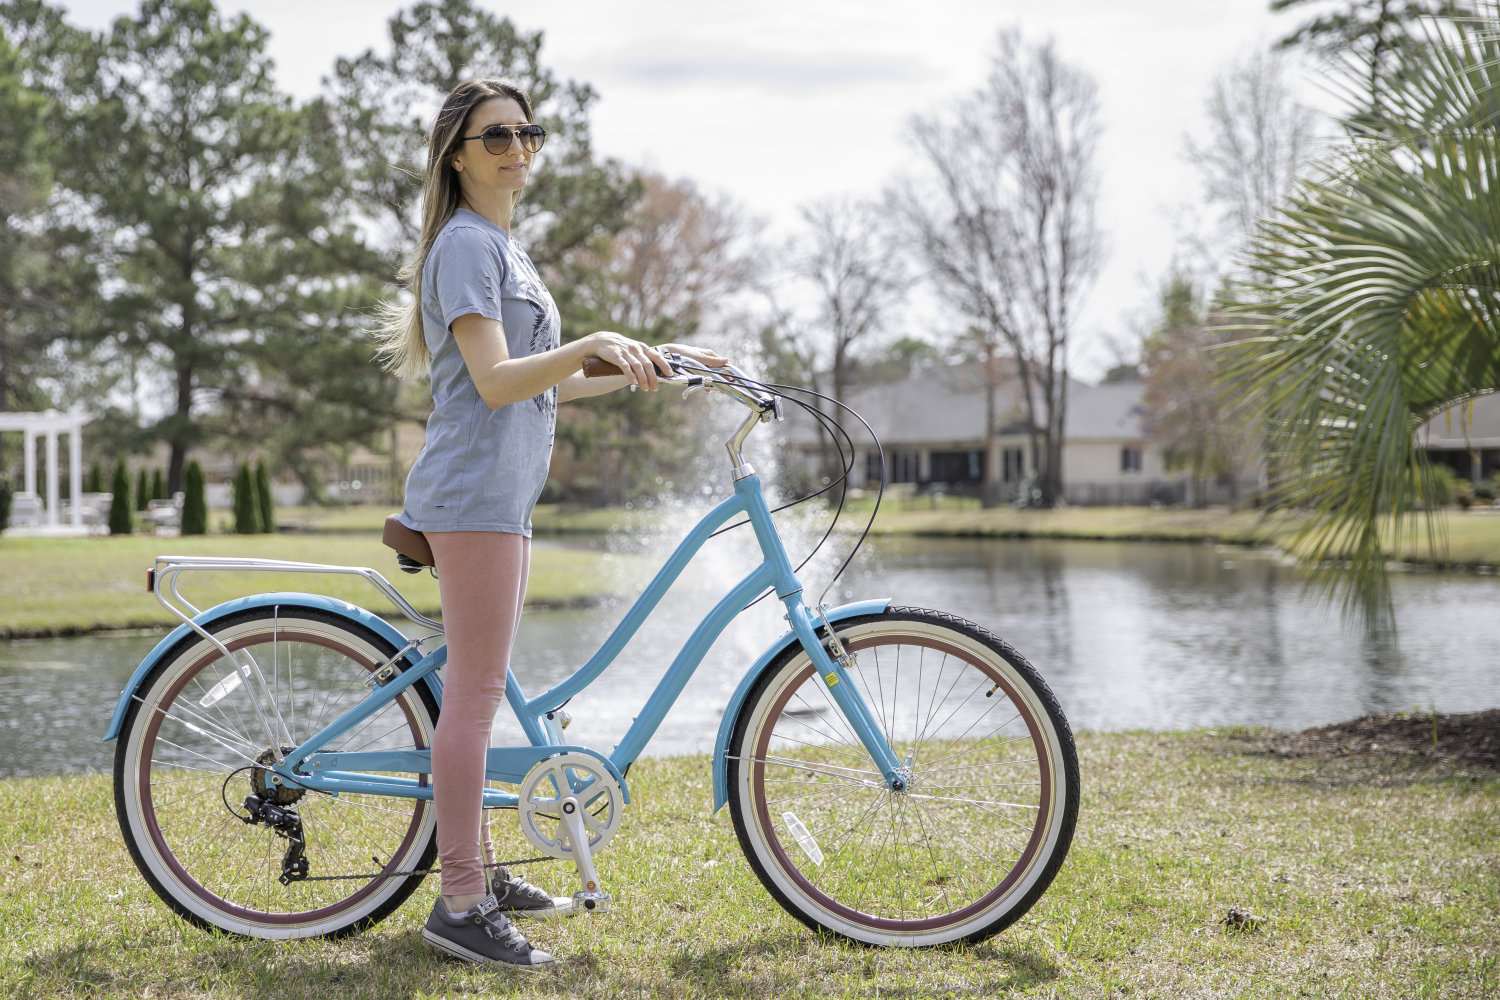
point(991, 784)
point(193, 749)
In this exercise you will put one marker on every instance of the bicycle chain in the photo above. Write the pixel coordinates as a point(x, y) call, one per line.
point(416, 871)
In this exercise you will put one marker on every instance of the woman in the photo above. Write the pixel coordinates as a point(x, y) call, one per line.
point(485, 329)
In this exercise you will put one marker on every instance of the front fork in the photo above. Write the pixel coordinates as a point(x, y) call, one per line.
point(832, 662)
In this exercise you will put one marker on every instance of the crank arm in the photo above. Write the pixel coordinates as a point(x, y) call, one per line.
point(590, 897)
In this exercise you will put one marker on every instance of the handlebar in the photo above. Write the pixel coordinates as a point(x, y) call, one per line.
point(728, 379)
point(763, 404)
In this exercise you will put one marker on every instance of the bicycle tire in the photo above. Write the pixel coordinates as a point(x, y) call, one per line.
point(187, 759)
point(991, 798)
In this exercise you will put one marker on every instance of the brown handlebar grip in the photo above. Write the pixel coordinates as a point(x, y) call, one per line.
point(595, 367)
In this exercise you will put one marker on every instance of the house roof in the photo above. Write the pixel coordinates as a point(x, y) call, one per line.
point(1108, 412)
point(948, 405)
point(1471, 424)
point(937, 404)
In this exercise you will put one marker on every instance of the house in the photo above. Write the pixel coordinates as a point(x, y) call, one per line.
point(1466, 438)
point(1109, 457)
point(932, 426)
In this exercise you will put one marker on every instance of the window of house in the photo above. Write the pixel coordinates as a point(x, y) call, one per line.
point(957, 466)
point(1130, 458)
point(900, 467)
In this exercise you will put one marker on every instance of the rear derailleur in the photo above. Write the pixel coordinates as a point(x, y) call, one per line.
point(288, 825)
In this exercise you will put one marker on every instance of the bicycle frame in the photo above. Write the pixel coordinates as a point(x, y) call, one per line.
point(338, 772)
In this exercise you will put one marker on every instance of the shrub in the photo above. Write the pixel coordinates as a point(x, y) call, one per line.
point(1444, 485)
point(5, 495)
point(194, 501)
point(94, 481)
point(1463, 493)
point(142, 489)
point(246, 505)
point(158, 486)
point(264, 499)
point(121, 514)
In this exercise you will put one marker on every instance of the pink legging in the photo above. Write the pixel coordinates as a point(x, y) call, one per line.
point(482, 582)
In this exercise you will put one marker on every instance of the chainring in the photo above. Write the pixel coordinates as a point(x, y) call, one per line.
point(546, 785)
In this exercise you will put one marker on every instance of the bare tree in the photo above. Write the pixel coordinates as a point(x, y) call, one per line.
point(849, 260)
point(679, 256)
point(1191, 411)
point(670, 274)
point(1005, 224)
point(845, 274)
point(1259, 137)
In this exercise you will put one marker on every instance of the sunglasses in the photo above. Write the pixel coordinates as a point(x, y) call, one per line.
point(497, 138)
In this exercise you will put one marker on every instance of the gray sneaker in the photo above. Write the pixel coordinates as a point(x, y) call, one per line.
point(483, 934)
point(519, 899)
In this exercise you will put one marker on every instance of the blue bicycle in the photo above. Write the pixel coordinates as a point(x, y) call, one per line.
point(896, 776)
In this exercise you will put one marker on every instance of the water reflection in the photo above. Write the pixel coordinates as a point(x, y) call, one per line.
point(1129, 636)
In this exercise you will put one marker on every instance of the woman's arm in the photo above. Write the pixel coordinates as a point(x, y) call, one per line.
point(579, 386)
point(502, 380)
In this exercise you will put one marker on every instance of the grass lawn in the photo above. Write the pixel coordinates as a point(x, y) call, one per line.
point(51, 586)
point(1468, 539)
point(1368, 876)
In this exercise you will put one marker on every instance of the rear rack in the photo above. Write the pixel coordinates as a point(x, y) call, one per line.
point(163, 580)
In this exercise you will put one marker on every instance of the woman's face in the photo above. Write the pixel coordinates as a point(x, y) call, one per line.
point(486, 172)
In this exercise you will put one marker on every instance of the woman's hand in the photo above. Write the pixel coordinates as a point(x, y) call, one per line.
point(639, 362)
point(703, 355)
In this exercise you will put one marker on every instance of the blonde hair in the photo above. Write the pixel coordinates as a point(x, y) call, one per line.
point(402, 348)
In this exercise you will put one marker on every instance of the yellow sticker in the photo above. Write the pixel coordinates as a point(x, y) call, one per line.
point(831, 677)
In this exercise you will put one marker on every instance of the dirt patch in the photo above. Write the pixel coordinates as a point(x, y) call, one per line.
point(1472, 739)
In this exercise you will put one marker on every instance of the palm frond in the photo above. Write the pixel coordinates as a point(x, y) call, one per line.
point(1373, 305)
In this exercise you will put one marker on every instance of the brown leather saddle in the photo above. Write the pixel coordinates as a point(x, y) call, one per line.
point(413, 554)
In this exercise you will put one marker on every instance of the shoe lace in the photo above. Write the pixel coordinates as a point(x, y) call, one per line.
point(499, 928)
point(517, 886)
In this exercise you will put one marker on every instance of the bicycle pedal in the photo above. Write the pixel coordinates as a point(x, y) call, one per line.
point(590, 901)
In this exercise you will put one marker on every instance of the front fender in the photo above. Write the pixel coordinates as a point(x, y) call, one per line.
point(732, 710)
point(204, 618)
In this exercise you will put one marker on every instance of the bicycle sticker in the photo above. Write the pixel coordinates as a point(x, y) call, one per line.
point(831, 677)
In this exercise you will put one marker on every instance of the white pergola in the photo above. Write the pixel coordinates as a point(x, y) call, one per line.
point(49, 425)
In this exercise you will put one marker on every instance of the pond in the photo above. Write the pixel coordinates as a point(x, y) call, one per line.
point(1129, 635)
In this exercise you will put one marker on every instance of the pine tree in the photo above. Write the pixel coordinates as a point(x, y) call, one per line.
point(142, 489)
point(94, 481)
point(158, 486)
point(246, 506)
point(194, 503)
point(121, 514)
point(264, 500)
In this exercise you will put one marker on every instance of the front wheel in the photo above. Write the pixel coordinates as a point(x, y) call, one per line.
point(193, 751)
point(991, 784)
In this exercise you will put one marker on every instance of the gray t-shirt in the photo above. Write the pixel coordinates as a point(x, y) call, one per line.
point(481, 469)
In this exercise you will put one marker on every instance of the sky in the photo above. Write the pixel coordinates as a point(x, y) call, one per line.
point(782, 102)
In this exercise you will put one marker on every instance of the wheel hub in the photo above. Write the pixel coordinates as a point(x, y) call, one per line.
point(266, 783)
